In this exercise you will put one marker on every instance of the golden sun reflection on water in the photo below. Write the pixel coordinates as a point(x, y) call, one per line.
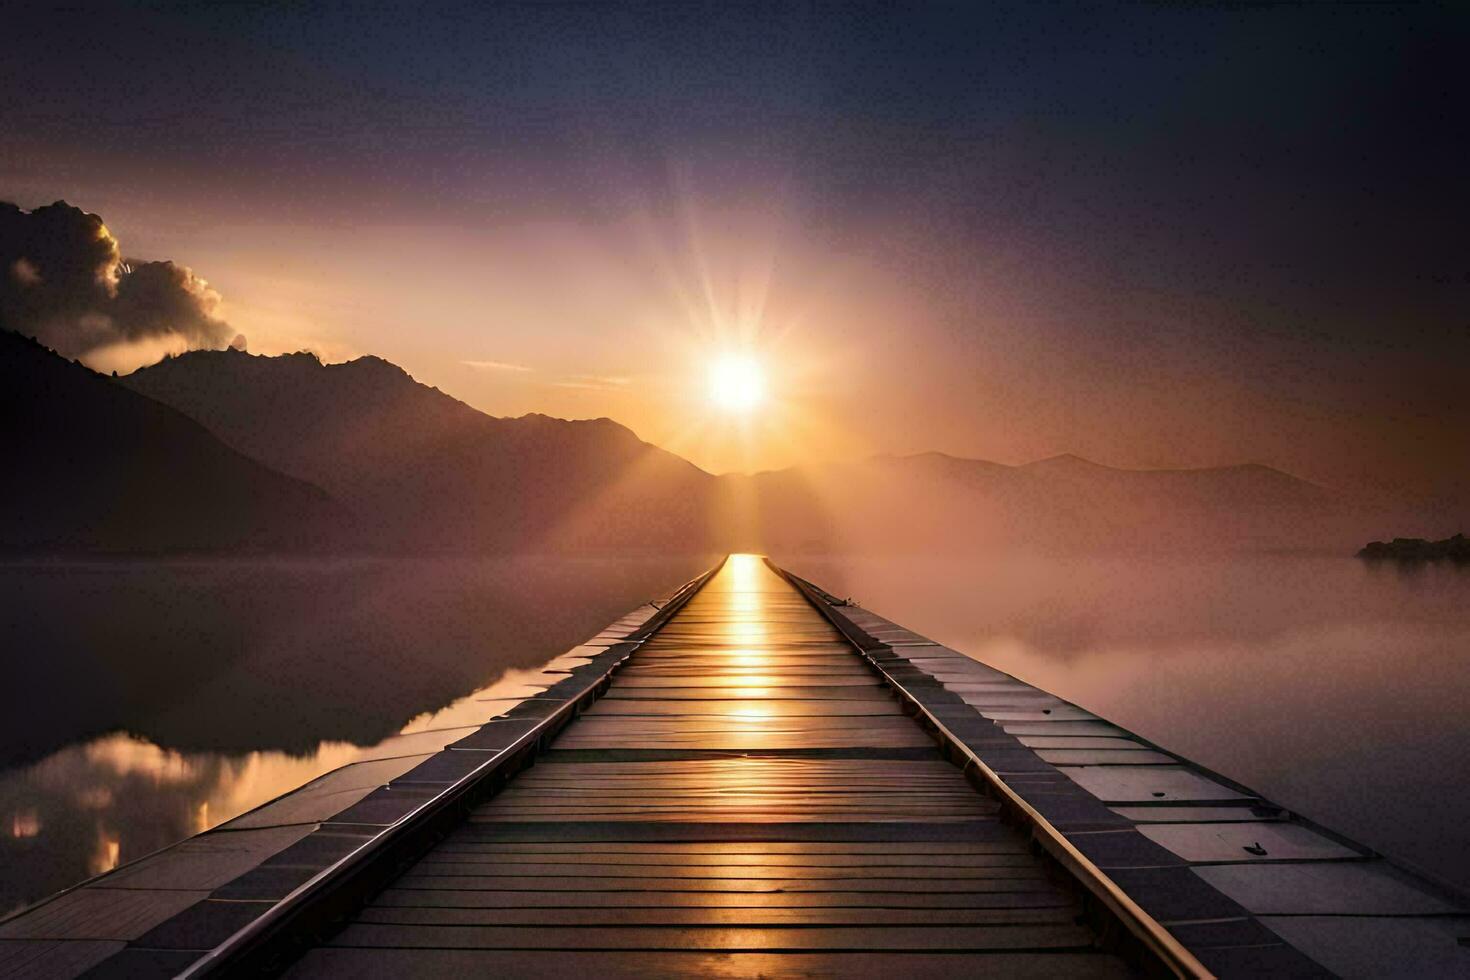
point(105, 856)
point(726, 689)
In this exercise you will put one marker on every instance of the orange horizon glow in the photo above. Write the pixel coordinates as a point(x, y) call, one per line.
point(856, 359)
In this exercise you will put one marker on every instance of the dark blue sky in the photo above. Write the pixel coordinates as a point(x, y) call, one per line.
point(1274, 194)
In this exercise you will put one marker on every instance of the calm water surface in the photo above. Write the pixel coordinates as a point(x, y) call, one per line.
point(1337, 688)
point(144, 702)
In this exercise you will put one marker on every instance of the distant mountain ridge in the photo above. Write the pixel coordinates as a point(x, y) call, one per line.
point(408, 468)
point(936, 502)
point(1073, 467)
point(421, 469)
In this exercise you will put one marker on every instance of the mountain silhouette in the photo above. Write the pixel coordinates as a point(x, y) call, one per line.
point(421, 470)
point(416, 470)
point(934, 502)
point(92, 465)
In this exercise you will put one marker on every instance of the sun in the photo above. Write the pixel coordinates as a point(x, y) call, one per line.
point(736, 382)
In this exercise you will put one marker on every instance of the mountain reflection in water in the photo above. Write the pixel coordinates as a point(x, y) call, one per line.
point(309, 659)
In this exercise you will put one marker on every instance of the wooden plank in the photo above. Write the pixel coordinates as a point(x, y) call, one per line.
point(1004, 879)
point(776, 766)
point(100, 913)
point(632, 680)
point(50, 959)
point(1022, 698)
point(743, 795)
point(747, 796)
point(674, 788)
point(715, 776)
point(838, 668)
point(616, 725)
point(207, 861)
point(1354, 888)
point(748, 741)
point(732, 939)
point(1081, 742)
point(728, 784)
point(642, 859)
point(980, 829)
point(991, 897)
point(716, 917)
point(945, 660)
point(750, 708)
point(888, 776)
point(1196, 814)
point(1366, 946)
point(993, 866)
point(831, 851)
point(1119, 785)
point(1134, 756)
point(747, 665)
point(746, 652)
point(911, 753)
point(789, 816)
point(1246, 842)
point(780, 641)
point(749, 802)
point(1060, 713)
point(1061, 726)
point(556, 965)
point(751, 691)
point(328, 795)
point(733, 795)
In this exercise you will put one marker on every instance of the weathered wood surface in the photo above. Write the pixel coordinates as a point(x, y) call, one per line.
point(746, 799)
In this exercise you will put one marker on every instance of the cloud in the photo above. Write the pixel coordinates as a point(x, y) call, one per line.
point(66, 283)
point(495, 366)
point(593, 383)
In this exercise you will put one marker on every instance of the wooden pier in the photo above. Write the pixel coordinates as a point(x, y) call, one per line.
point(755, 779)
point(746, 799)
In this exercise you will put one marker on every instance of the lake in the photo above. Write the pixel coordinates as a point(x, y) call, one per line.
point(146, 701)
point(1338, 688)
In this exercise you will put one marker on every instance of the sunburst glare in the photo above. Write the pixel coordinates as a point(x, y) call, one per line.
point(736, 382)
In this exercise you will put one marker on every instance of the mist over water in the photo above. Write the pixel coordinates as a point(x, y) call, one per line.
point(148, 701)
point(1335, 687)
